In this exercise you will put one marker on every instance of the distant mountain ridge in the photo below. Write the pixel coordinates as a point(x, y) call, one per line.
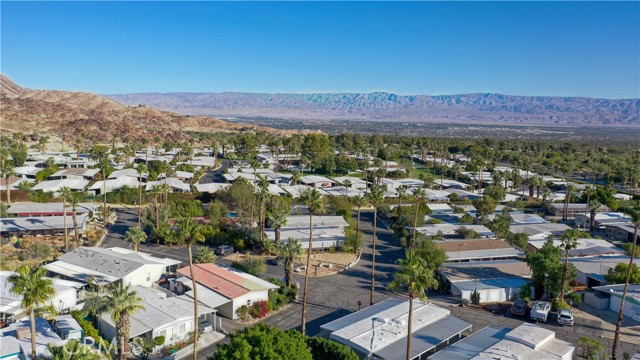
point(485, 108)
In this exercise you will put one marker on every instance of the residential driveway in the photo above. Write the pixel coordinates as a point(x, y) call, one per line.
point(215, 175)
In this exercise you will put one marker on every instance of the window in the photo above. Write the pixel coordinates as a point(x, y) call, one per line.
point(148, 276)
point(163, 333)
point(248, 302)
point(183, 328)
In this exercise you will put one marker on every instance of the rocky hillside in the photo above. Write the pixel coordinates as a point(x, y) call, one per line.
point(465, 108)
point(69, 114)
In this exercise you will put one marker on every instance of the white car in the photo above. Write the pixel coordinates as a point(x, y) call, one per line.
point(565, 317)
point(540, 311)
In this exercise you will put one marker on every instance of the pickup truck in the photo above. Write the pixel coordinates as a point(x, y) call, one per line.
point(540, 311)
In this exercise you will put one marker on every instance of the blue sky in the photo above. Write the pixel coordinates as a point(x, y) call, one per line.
point(520, 48)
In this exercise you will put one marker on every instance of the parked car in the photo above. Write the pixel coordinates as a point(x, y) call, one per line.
point(223, 250)
point(565, 317)
point(540, 311)
point(519, 308)
point(275, 261)
point(205, 327)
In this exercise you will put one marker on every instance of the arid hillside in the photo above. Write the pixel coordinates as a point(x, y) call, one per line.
point(69, 114)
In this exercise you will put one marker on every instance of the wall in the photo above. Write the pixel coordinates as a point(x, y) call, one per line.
point(139, 277)
point(251, 297)
point(491, 295)
point(631, 309)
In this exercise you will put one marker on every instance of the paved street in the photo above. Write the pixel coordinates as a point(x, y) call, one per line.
point(334, 296)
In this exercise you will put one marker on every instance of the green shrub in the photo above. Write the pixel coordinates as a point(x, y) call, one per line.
point(243, 312)
point(525, 292)
point(575, 298)
point(253, 265)
point(185, 208)
point(558, 304)
point(475, 297)
point(325, 349)
point(88, 330)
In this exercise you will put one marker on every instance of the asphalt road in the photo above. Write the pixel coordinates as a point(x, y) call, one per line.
point(334, 296)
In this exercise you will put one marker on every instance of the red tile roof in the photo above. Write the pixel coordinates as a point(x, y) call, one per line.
point(218, 279)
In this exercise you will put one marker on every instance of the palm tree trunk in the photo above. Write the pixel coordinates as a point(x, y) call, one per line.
point(415, 225)
point(75, 224)
point(104, 199)
point(409, 326)
point(122, 330)
point(140, 202)
point(66, 231)
point(584, 223)
point(373, 255)
point(616, 334)
point(32, 319)
point(564, 274)
point(277, 232)
point(195, 306)
point(306, 277)
point(8, 191)
point(358, 230)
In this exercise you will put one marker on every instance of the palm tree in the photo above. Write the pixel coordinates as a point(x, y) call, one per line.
point(567, 200)
point(419, 195)
point(135, 236)
point(346, 184)
point(66, 193)
point(75, 198)
point(73, 350)
point(634, 213)
point(358, 202)
point(8, 172)
point(30, 283)
point(375, 198)
point(187, 233)
point(290, 252)
point(593, 205)
point(141, 169)
point(122, 302)
point(313, 199)
point(277, 212)
point(569, 241)
point(416, 277)
point(295, 177)
point(262, 195)
point(205, 256)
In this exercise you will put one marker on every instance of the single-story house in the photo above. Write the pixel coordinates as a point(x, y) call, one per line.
point(15, 340)
point(557, 209)
point(12, 182)
point(48, 209)
point(233, 176)
point(27, 172)
point(128, 172)
point(621, 232)
point(438, 208)
point(342, 191)
point(495, 281)
point(380, 330)
point(585, 247)
point(163, 315)
point(211, 188)
point(296, 190)
point(590, 270)
point(109, 265)
point(237, 287)
point(526, 341)
point(449, 230)
point(113, 184)
point(174, 184)
point(317, 181)
point(55, 186)
point(478, 250)
point(45, 225)
point(523, 219)
point(614, 295)
point(539, 231)
point(65, 297)
point(354, 182)
point(75, 173)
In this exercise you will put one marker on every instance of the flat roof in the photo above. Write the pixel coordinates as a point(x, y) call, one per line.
point(55, 185)
point(473, 344)
point(34, 208)
point(485, 270)
point(597, 266)
point(528, 342)
point(373, 329)
point(44, 223)
point(302, 221)
point(472, 245)
point(585, 247)
point(484, 254)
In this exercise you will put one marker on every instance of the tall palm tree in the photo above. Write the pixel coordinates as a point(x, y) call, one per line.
point(634, 213)
point(8, 172)
point(419, 195)
point(346, 184)
point(122, 302)
point(187, 233)
point(295, 177)
point(569, 241)
point(414, 276)
point(375, 198)
point(262, 195)
point(141, 169)
point(75, 198)
point(135, 236)
point(277, 212)
point(567, 200)
point(313, 199)
point(290, 252)
point(30, 283)
point(66, 194)
point(594, 205)
point(358, 201)
point(588, 190)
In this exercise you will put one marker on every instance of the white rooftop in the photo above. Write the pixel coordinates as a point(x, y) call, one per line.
point(302, 222)
point(56, 185)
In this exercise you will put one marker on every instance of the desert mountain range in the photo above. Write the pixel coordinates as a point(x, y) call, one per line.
point(69, 114)
point(465, 108)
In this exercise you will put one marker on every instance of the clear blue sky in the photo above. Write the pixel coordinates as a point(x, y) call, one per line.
point(520, 48)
